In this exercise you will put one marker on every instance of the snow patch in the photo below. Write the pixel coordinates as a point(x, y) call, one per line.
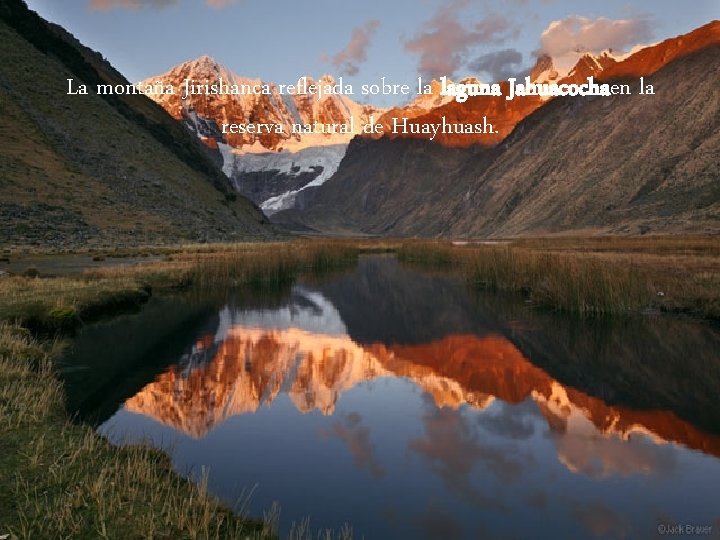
point(305, 160)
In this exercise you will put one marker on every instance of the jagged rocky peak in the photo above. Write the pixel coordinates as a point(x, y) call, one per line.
point(327, 79)
point(425, 102)
point(204, 62)
point(254, 133)
point(202, 67)
point(544, 69)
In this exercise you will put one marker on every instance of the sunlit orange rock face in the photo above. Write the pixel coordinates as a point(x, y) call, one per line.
point(206, 112)
point(504, 115)
point(650, 59)
point(251, 366)
point(489, 365)
point(249, 369)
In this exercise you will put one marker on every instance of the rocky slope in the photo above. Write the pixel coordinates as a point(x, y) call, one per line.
point(83, 171)
point(616, 164)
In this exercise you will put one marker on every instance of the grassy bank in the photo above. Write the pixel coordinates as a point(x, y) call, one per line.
point(62, 480)
point(59, 304)
point(590, 276)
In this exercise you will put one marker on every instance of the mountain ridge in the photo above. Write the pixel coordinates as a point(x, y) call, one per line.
point(69, 180)
point(278, 184)
point(270, 168)
point(540, 179)
point(507, 114)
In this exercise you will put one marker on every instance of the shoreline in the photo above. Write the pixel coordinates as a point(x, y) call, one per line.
point(66, 478)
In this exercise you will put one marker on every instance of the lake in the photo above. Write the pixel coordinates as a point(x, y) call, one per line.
point(398, 401)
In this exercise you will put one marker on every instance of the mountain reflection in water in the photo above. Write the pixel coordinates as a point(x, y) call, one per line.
point(393, 401)
point(248, 367)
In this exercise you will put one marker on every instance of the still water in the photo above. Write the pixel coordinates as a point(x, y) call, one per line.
point(396, 401)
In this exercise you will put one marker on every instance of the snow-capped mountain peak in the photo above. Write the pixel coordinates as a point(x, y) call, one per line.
point(250, 156)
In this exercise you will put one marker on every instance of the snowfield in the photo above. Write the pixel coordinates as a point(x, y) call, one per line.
point(290, 163)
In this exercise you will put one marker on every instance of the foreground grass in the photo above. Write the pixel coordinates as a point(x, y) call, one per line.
point(592, 276)
point(62, 480)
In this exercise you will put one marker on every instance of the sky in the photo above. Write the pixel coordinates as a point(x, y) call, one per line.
point(362, 41)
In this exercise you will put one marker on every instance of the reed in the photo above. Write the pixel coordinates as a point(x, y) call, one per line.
point(428, 253)
point(624, 276)
point(61, 480)
point(268, 265)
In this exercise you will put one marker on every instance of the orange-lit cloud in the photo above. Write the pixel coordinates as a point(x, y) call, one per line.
point(444, 42)
point(355, 52)
point(107, 5)
point(219, 3)
point(357, 437)
point(581, 34)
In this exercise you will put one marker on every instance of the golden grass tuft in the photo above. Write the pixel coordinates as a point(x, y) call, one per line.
point(61, 480)
point(596, 276)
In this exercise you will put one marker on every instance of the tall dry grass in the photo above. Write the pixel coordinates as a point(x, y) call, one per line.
point(624, 276)
point(61, 480)
point(60, 304)
point(267, 265)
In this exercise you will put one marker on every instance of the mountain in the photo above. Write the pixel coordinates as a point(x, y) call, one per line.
point(274, 169)
point(505, 115)
point(280, 171)
point(620, 164)
point(573, 67)
point(98, 170)
point(269, 167)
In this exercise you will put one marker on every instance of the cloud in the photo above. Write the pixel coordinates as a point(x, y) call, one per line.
point(107, 5)
point(498, 65)
point(512, 422)
point(603, 457)
point(219, 4)
point(581, 34)
point(355, 52)
point(443, 42)
point(455, 448)
point(357, 437)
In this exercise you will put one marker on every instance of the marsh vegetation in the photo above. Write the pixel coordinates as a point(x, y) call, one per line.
point(64, 478)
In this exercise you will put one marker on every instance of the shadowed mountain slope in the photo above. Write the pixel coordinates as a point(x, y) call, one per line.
point(620, 164)
point(84, 170)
